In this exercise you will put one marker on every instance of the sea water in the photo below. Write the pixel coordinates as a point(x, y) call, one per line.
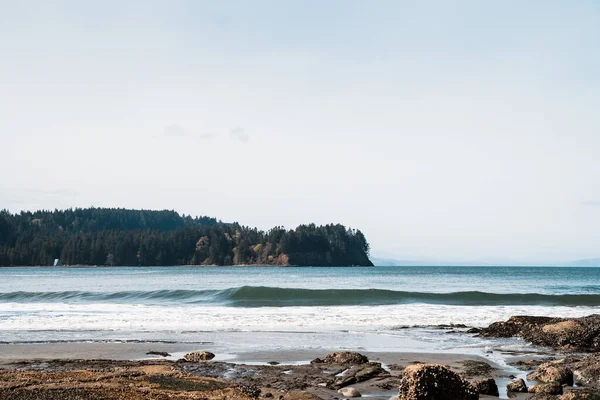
point(238, 309)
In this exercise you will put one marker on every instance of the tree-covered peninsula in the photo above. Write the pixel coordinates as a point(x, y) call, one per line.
point(109, 236)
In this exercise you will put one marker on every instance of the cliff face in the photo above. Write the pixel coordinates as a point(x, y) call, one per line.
point(161, 238)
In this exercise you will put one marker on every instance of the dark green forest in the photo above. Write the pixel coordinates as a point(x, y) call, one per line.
point(109, 236)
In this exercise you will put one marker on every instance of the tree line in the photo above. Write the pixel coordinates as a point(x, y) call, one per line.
point(111, 236)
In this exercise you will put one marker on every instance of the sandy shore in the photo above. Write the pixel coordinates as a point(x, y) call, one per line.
point(138, 350)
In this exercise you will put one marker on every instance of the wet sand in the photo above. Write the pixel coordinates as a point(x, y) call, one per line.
point(137, 351)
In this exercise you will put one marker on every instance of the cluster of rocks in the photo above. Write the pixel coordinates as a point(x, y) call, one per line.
point(342, 357)
point(339, 371)
point(567, 334)
point(555, 379)
point(437, 382)
point(556, 376)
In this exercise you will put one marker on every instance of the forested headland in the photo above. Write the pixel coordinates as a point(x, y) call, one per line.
point(111, 236)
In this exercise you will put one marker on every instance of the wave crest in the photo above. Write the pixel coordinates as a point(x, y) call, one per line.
point(262, 296)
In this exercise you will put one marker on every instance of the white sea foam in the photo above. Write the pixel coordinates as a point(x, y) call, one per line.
point(145, 318)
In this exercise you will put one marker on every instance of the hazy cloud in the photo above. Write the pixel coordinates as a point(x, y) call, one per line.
point(239, 134)
point(177, 131)
point(174, 131)
point(591, 203)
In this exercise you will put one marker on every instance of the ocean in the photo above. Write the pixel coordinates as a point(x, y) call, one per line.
point(236, 309)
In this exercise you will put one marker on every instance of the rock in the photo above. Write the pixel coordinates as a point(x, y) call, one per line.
point(487, 386)
point(432, 381)
point(349, 392)
point(546, 388)
point(344, 381)
point(358, 373)
point(473, 330)
point(252, 391)
point(197, 356)
point(552, 372)
point(517, 386)
point(345, 357)
point(317, 361)
point(586, 370)
point(367, 373)
point(158, 353)
point(528, 364)
point(571, 334)
point(581, 394)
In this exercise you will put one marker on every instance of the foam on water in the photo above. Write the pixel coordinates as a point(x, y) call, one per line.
point(124, 317)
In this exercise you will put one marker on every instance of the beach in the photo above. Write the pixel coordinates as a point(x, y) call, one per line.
point(266, 325)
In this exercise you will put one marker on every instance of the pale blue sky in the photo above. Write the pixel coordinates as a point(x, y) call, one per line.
point(452, 130)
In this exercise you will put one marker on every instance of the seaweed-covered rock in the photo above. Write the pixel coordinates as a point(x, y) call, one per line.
point(517, 386)
point(547, 388)
point(432, 381)
point(345, 357)
point(158, 353)
point(552, 372)
point(251, 391)
point(574, 334)
point(487, 386)
point(197, 356)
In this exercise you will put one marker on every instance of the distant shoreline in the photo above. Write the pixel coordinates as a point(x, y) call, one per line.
point(187, 266)
point(296, 266)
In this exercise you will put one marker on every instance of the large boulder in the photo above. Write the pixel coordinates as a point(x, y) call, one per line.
point(547, 388)
point(487, 386)
point(345, 357)
point(197, 356)
point(434, 382)
point(572, 334)
point(517, 386)
point(586, 370)
point(552, 372)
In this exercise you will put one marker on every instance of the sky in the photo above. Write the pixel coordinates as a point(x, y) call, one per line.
point(444, 130)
